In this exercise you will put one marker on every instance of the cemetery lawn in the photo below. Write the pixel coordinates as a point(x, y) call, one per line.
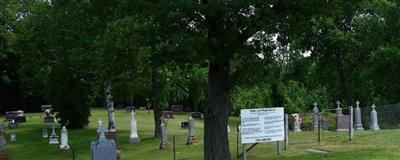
point(30, 145)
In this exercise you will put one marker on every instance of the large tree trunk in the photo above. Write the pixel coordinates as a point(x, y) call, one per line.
point(216, 142)
point(193, 97)
point(155, 82)
point(342, 76)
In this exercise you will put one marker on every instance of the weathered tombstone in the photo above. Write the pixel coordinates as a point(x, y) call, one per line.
point(2, 138)
point(351, 123)
point(296, 122)
point(228, 128)
point(169, 115)
point(191, 139)
point(46, 107)
point(12, 124)
point(338, 109)
point(45, 134)
point(315, 116)
point(133, 137)
point(164, 137)
point(177, 108)
point(342, 122)
point(53, 136)
point(17, 116)
point(184, 125)
point(13, 137)
point(103, 149)
point(64, 147)
point(374, 119)
point(324, 125)
point(357, 117)
point(197, 115)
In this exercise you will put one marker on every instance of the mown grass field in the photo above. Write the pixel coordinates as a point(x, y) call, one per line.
point(382, 145)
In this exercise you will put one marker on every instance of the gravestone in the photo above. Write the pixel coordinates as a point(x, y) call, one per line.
point(358, 125)
point(46, 107)
point(197, 115)
point(338, 109)
point(133, 137)
point(184, 125)
point(228, 128)
point(53, 136)
point(177, 108)
point(13, 137)
point(324, 125)
point(315, 116)
point(342, 123)
point(169, 115)
point(13, 124)
point(64, 147)
point(48, 116)
point(191, 139)
point(45, 133)
point(103, 149)
point(297, 121)
point(129, 109)
point(164, 137)
point(374, 119)
point(17, 116)
point(2, 138)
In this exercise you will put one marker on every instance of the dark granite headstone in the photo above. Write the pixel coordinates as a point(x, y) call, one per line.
point(129, 109)
point(46, 107)
point(17, 116)
point(342, 122)
point(169, 115)
point(12, 125)
point(177, 108)
point(197, 115)
point(184, 125)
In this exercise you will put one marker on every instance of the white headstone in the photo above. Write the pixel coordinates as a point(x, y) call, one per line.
point(64, 139)
point(338, 109)
point(133, 137)
point(164, 137)
point(53, 136)
point(13, 137)
point(45, 133)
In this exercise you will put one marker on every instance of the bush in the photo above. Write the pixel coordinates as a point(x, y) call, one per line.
point(69, 97)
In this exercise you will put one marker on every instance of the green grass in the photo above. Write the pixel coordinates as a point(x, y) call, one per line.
point(31, 146)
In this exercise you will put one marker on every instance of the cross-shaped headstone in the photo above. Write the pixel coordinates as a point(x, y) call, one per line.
point(338, 104)
point(101, 130)
point(358, 104)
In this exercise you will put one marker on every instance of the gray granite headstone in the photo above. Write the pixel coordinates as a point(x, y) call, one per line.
point(338, 109)
point(45, 133)
point(64, 147)
point(315, 116)
point(191, 139)
point(13, 137)
point(357, 117)
point(103, 149)
point(296, 122)
point(374, 119)
point(164, 137)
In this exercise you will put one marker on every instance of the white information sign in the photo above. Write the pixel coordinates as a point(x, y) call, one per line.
point(262, 125)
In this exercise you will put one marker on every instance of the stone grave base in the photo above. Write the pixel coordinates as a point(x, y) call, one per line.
point(64, 150)
point(163, 145)
point(4, 155)
point(134, 140)
point(191, 140)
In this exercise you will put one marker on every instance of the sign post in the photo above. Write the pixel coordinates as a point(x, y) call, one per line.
point(262, 125)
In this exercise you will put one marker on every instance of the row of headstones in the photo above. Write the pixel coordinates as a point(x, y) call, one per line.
point(357, 116)
point(53, 138)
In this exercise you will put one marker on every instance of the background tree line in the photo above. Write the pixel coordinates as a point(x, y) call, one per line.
point(211, 56)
